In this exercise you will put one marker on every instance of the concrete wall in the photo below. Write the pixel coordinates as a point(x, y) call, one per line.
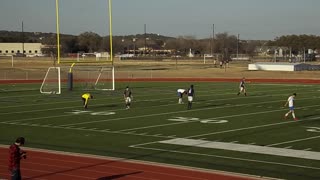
point(282, 67)
point(14, 48)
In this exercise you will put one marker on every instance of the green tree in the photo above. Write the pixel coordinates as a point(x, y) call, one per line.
point(89, 42)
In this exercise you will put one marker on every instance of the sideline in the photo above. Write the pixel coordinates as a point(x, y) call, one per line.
point(311, 155)
point(187, 168)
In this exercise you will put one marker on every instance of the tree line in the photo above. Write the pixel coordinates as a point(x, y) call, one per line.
point(90, 42)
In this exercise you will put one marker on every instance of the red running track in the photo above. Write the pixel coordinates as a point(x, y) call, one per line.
point(42, 164)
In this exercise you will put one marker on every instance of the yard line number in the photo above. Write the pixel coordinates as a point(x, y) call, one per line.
point(101, 113)
point(204, 121)
point(313, 129)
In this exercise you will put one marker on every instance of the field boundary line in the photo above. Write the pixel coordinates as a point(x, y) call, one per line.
point(256, 149)
point(226, 157)
point(134, 161)
point(293, 141)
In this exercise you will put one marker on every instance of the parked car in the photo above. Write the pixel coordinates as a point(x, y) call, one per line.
point(19, 55)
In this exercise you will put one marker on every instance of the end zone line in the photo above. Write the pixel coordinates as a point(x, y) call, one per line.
point(226, 157)
point(256, 149)
point(297, 140)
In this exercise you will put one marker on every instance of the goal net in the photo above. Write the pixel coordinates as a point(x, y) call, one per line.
point(51, 83)
point(58, 79)
point(93, 78)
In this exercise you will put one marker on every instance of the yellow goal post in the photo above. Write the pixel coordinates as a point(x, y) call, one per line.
point(96, 59)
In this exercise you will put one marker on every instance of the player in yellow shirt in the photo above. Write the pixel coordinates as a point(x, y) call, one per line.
point(85, 98)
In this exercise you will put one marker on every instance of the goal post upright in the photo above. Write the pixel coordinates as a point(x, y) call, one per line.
point(58, 31)
point(111, 43)
point(56, 76)
point(110, 31)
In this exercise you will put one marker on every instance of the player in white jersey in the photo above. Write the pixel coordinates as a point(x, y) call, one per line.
point(180, 93)
point(290, 102)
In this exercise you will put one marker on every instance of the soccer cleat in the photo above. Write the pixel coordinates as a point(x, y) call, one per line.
point(285, 117)
point(296, 119)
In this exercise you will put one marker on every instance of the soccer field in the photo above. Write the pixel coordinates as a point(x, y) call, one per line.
point(222, 131)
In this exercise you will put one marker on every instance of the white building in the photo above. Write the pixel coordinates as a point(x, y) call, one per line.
point(14, 48)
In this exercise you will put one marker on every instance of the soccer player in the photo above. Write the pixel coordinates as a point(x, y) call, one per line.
point(190, 94)
point(291, 106)
point(127, 95)
point(242, 87)
point(180, 95)
point(85, 98)
point(15, 155)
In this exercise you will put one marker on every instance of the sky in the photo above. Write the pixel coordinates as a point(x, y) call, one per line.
point(251, 19)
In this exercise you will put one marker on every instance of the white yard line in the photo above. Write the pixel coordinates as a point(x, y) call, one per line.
point(160, 125)
point(293, 141)
point(226, 157)
point(40, 104)
point(284, 152)
point(87, 130)
point(253, 127)
point(184, 111)
point(220, 132)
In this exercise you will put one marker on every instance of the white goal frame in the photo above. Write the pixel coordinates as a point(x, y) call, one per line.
point(113, 81)
point(58, 81)
point(59, 86)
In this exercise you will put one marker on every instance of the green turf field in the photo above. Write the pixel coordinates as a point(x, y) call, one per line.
point(222, 131)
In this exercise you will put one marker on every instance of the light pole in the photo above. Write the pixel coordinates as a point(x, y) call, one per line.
point(134, 46)
point(123, 45)
point(145, 39)
point(238, 47)
point(212, 41)
point(22, 40)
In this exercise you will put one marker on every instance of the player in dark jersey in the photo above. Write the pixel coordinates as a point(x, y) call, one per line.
point(242, 87)
point(190, 94)
point(127, 95)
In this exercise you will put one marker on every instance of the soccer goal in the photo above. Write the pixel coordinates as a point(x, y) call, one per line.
point(58, 79)
point(94, 77)
point(105, 79)
point(51, 83)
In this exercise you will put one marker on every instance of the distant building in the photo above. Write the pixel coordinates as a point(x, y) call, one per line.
point(19, 48)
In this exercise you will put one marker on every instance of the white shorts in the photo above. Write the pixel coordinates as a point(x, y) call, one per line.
point(190, 98)
point(128, 100)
